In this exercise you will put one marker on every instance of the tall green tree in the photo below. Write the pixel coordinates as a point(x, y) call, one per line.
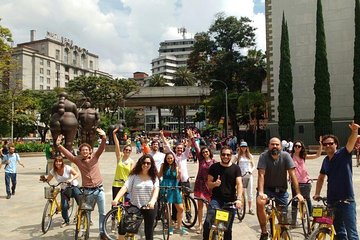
point(158, 80)
point(356, 73)
point(218, 55)
point(285, 107)
point(322, 118)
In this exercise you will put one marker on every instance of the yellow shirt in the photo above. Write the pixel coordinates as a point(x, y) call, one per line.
point(122, 171)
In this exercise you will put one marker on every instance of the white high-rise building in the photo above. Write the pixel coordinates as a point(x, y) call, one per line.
point(52, 62)
point(172, 54)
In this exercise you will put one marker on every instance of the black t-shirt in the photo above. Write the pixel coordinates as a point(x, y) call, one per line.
point(227, 190)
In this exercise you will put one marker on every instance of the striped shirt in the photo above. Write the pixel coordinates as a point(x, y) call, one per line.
point(141, 191)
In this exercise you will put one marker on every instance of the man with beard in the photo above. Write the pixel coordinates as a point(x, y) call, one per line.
point(337, 166)
point(224, 180)
point(156, 154)
point(273, 166)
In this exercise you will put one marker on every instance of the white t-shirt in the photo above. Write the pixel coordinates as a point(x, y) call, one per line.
point(181, 162)
point(140, 191)
point(158, 158)
point(66, 176)
point(244, 164)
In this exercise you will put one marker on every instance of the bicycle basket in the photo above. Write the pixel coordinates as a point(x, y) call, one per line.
point(222, 216)
point(87, 202)
point(49, 192)
point(245, 182)
point(286, 215)
point(131, 219)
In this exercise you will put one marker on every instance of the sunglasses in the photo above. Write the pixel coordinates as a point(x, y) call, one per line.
point(298, 146)
point(205, 152)
point(146, 163)
point(226, 154)
point(328, 144)
point(127, 150)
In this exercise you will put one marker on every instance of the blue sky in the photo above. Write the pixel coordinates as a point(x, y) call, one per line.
point(125, 34)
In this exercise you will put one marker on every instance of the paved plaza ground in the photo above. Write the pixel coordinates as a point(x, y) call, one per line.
point(21, 215)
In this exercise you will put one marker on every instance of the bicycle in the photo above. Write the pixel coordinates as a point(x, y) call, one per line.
point(284, 217)
point(221, 221)
point(86, 205)
point(240, 212)
point(53, 205)
point(190, 208)
point(130, 224)
point(324, 218)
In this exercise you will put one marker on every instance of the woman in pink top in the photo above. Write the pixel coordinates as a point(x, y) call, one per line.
point(299, 155)
point(205, 157)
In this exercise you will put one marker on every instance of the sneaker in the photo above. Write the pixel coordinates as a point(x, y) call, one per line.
point(13, 192)
point(183, 231)
point(264, 236)
point(8, 196)
point(64, 224)
point(171, 230)
point(251, 212)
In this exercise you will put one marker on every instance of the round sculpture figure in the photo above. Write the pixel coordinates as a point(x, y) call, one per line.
point(64, 120)
point(120, 132)
point(89, 120)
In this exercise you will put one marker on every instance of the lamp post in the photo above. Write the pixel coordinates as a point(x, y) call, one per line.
point(226, 105)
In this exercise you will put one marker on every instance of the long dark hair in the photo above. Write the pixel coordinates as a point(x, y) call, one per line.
point(153, 173)
point(211, 155)
point(166, 164)
point(302, 153)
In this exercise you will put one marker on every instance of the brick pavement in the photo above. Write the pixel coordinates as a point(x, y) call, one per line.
point(21, 215)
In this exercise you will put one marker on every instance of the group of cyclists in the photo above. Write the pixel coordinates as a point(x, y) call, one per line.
point(218, 183)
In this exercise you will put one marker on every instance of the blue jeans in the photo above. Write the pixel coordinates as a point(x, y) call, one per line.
point(280, 197)
point(99, 194)
point(210, 216)
point(75, 192)
point(8, 177)
point(345, 221)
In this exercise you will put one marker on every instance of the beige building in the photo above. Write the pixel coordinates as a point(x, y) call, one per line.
point(339, 29)
point(52, 62)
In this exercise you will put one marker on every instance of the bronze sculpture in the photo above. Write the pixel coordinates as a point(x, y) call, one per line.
point(64, 121)
point(89, 120)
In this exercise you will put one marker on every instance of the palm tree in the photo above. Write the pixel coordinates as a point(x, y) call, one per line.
point(158, 80)
point(184, 77)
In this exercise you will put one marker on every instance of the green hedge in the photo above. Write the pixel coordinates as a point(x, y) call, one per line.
point(30, 147)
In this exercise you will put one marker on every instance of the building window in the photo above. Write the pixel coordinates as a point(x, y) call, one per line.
point(48, 72)
point(41, 71)
point(41, 87)
point(75, 71)
point(41, 61)
point(41, 79)
point(57, 54)
point(91, 64)
point(67, 69)
point(48, 80)
point(66, 84)
point(67, 77)
point(75, 58)
point(48, 88)
point(48, 63)
point(66, 56)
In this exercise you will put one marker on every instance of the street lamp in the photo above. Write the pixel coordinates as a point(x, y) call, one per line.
point(226, 105)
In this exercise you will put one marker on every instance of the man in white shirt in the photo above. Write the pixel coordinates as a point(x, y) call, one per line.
point(156, 154)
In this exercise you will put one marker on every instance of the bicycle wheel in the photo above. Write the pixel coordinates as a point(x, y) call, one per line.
point(165, 220)
point(71, 207)
point(242, 211)
point(82, 226)
point(305, 218)
point(285, 234)
point(190, 212)
point(322, 233)
point(49, 211)
point(111, 223)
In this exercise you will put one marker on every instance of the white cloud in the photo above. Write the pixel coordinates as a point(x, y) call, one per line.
point(125, 34)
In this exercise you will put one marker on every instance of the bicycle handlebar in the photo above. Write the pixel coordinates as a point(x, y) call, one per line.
point(55, 185)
